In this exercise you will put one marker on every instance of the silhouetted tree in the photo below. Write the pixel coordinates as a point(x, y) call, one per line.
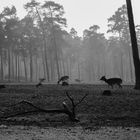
point(134, 44)
point(53, 18)
point(10, 22)
point(33, 10)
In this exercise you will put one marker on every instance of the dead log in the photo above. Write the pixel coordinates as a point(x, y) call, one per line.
point(35, 109)
point(38, 109)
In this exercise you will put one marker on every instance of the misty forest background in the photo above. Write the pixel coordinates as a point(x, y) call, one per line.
point(40, 46)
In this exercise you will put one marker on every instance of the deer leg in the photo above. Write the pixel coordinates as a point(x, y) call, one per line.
point(119, 85)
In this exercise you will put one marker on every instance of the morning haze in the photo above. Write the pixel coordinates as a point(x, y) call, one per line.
point(85, 43)
point(69, 69)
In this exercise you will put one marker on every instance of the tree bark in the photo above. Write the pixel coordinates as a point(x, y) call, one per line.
point(25, 69)
point(15, 66)
point(55, 45)
point(18, 73)
point(1, 67)
point(79, 71)
point(135, 53)
point(9, 65)
point(31, 67)
point(63, 65)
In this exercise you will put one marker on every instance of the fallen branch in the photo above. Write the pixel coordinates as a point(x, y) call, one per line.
point(35, 109)
point(80, 101)
point(74, 105)
point(65, 111)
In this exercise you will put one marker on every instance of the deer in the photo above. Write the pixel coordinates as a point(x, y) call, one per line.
point(40, 82)
point(78, 80)
point(112, 81)
point(2, 86)
point(63, 79)
point(64, 83)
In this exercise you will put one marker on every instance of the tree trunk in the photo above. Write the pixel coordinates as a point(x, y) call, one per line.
point(79, 71)
point(31, 68)
point(134, 44)
point(44, 46)
point(12, 65)
point(16, 68)
point(25, 69)
point(35, 68)
point(56, 59)
point(18, 73)
point(63, 64)
point(44, 64)
point(70, 67)
point(131, 66)
point(121, 67)
point(56, 49)
point(9, 66)
point(1, 67)
point(67, 66)
point(52, 69)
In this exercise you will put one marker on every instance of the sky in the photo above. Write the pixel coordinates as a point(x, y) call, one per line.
point(81, 14)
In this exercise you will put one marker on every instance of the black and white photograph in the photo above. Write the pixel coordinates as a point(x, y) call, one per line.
point(69, 69)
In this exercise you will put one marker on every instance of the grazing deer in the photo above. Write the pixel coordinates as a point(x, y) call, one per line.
point(40, 82)
point(65, 83)
point(2, 86)
point(63, 79)
point(106, 93)
point(112, 81)
point(78, 80)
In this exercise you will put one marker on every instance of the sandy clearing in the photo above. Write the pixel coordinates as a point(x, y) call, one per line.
point(70, 133)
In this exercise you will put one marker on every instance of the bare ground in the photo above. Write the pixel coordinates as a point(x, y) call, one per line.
point(68, 133)
point(115, 117)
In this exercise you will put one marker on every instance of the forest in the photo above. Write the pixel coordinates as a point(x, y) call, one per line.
point(56, 84)
point(40, 46)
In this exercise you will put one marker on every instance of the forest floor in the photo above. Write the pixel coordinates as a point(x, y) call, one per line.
point(114, 117)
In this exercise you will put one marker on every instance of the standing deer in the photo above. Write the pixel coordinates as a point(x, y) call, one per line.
point(112, 81)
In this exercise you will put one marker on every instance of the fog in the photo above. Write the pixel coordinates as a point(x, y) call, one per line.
point(40, 45)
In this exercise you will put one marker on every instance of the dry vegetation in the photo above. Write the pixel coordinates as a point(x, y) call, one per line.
point(114, 117)
point(122, 108)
